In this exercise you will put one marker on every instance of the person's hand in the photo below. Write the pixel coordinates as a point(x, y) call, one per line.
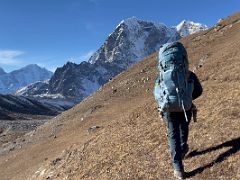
point(160, 113)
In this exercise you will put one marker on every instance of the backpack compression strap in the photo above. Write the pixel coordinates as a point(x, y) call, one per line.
point(181, 100)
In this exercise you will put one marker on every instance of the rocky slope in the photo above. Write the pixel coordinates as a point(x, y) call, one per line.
point(131, 41)
point(20, 115)
point(117, 134)
point(10, 82)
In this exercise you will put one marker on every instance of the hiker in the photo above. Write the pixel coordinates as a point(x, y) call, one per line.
point(175, 88)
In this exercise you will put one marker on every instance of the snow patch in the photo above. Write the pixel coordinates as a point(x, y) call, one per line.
point(186, 28)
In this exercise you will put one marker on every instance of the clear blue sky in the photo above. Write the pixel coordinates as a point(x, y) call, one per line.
point(52, 32)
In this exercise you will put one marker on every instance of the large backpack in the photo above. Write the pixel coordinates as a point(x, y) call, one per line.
point(173, 89)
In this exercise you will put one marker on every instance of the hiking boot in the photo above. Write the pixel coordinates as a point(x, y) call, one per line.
point(179, 174)
point(185, 152)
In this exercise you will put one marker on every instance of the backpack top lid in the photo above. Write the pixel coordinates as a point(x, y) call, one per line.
point(173, 50)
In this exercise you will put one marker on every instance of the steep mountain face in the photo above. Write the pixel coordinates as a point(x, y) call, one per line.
point(14, 80)
point(72, 82)
point(132, 40)
point(188, 27)
point(2, 72)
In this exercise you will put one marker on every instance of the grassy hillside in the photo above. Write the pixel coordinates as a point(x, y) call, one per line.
point(128, 139)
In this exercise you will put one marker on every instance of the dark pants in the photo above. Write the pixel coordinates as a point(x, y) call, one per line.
point(177, 136)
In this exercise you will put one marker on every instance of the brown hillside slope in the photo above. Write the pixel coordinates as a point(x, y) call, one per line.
point(130, 141)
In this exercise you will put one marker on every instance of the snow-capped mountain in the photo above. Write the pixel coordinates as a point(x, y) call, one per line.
point(186, 28)
point(132, 40)
point(10, 82)
point(72, 82)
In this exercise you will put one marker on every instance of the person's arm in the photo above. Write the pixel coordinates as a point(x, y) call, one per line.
point(197, 90)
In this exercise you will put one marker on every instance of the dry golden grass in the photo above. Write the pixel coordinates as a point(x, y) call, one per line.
point(131, 141)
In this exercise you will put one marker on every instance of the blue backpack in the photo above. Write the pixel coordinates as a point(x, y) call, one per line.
point(173, 89)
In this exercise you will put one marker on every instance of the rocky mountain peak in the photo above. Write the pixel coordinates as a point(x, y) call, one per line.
point(189, 27)
point(129, 21)
point(33, 66)
point(134, 23)
point(131, 41)
point(66, 67)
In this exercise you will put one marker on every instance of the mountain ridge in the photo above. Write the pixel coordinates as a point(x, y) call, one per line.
point(132, 40)
point(10, 82)
point(189, 27)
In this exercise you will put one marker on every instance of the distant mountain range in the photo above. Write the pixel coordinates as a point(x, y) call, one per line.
point(10, 82)
point(130, 42)
point(2, 72)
